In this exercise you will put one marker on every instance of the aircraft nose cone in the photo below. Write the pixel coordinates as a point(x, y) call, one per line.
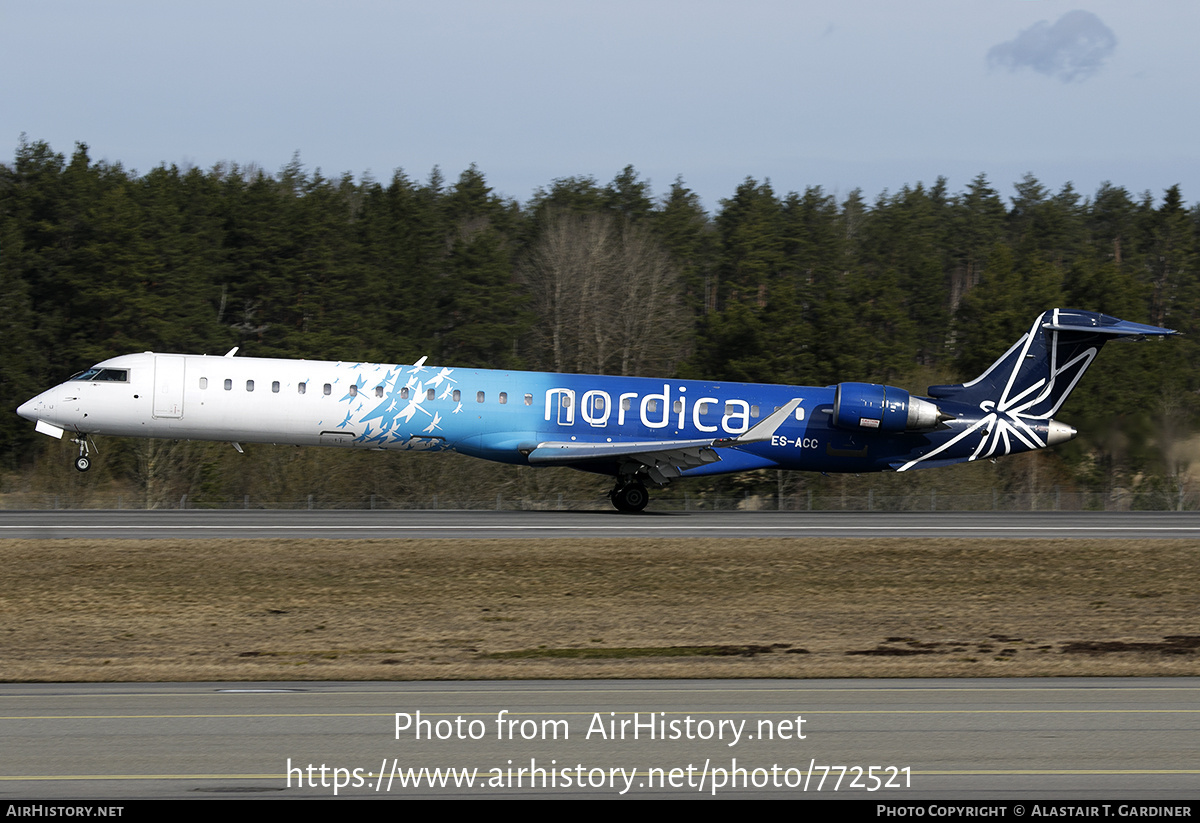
point(28, 409)
point(1059, 433)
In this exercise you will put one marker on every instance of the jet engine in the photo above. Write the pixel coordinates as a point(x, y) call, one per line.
point(859, 406)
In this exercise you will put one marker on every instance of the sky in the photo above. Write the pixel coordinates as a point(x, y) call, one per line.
point(867, 94)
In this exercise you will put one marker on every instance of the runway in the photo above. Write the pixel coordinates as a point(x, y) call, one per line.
point(1012, 740)
point(355, 524)
point(1064, 739)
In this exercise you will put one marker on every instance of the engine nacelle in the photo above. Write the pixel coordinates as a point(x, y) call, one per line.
point(858, 406)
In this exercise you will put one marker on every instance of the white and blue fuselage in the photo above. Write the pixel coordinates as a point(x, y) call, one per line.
point(632, 428)
point(496, 415)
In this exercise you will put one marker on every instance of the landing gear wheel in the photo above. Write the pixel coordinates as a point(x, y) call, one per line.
point(630, 498)
point(83, 462)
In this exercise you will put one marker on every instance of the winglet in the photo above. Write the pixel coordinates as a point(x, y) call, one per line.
point(764, 430)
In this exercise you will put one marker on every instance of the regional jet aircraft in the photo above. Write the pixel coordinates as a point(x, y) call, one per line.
point(637, 430)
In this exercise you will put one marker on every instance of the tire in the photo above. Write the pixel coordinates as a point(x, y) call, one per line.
point(82, 463)
point(631, 498)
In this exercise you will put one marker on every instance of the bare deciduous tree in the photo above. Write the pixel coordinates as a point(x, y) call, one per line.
point(609, 295)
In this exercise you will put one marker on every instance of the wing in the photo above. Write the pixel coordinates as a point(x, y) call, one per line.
point(663, 459)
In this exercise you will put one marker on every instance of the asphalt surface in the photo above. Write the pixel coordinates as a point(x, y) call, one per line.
point(1094, 739)
point(1015, 740)
point(352, 524)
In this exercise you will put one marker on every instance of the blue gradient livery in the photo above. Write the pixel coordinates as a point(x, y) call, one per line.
point(638, 430)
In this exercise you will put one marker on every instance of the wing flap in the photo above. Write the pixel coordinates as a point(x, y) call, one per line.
point(663, 459)
point(574, 452)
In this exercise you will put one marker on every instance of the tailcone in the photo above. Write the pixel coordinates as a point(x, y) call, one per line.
point(1059, 433)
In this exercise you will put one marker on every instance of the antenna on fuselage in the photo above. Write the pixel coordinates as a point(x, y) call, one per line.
point(232, 351)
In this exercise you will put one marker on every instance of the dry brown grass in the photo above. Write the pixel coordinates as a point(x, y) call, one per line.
point(106, 610)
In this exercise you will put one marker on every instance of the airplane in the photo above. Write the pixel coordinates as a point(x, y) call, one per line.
point(638, 430)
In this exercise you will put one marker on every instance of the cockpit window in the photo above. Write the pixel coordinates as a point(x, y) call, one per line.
point(96, 375)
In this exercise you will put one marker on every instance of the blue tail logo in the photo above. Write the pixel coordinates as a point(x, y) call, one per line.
point(1021, 392)
point(1035, 376)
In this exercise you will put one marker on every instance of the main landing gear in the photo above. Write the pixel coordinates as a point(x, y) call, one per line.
point(630, 497)
point(83, 462)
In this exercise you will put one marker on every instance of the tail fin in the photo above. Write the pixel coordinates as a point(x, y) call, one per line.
point(1034, 377)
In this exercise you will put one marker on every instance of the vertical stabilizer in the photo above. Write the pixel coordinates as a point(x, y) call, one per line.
point(1035, 376)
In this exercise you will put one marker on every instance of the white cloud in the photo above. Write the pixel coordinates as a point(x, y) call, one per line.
point(1075, 47)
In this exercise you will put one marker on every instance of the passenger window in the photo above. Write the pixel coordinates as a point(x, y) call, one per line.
point(379, 391)
point(429, 394)
point(404, 393)
point(626, 403)
point(677, 406)
point(301, 388)
point(478, 397)
point(328, 389)
point(754, 411)
point(652, 405)
point(354, 391)
point(457, 395)
point(503, 398)
point(729, 409)
point(703, 408)
point(228, 384)
point(529, 400)
point(275, 387)
point(204, 382)
point(249, 385)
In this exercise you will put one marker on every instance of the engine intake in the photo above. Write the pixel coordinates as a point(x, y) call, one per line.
point(859, 406)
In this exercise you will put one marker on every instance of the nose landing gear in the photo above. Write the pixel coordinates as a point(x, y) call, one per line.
point(83, 462)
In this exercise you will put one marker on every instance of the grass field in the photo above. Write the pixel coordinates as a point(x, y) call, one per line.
point(162, 610)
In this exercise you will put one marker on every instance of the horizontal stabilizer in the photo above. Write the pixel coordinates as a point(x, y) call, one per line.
point(1089, 322)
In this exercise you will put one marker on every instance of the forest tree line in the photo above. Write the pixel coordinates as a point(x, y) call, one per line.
point(919, 286)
